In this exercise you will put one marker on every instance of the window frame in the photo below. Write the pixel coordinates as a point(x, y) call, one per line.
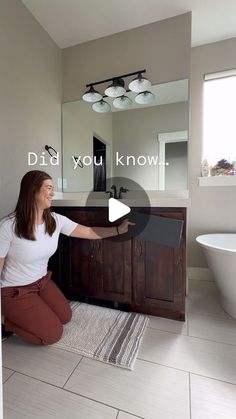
point(217, 180)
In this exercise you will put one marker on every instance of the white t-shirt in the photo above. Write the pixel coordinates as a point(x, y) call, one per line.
point(27, 260)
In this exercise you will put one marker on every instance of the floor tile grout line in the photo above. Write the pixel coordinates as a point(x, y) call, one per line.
point(76, 394)
point(89, 398)
point(173, 333)
point(97, 401)
point(162, 330)
point(7, 368)
point(220, 317)
point(131, 414)
point(65, 350)
point(162, 365)
point(72, 372)
point(211, 378)
point(211, 340)
point(138, 358)
point(190, 400)
point(187, 371)
point(195, 337)
point(38, 379)
point(3, 382)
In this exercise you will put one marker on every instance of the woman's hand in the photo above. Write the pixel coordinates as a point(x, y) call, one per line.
point(95, 233)
point(124, 226)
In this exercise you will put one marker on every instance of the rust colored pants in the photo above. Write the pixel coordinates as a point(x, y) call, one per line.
point(36, 312)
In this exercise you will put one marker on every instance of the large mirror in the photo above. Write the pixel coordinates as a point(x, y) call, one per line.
point(146, 143)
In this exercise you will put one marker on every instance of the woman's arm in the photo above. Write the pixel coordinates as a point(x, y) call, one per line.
point(94, 233)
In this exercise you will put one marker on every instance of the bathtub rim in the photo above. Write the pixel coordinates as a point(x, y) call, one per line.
point(213, 247)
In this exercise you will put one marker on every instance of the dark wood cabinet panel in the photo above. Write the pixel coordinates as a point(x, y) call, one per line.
point(156, 271)
point(115, 270)
point(159, 275)
point(148, 277)
point(158, 280)
point(100, 269)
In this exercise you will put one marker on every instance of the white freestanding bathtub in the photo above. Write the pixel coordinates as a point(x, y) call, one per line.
point(220, 251)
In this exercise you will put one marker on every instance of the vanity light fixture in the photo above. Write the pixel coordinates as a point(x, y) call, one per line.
point(117, 90)
point(122, 102)
point(139, 84)
point(91, 95)
point(101, 106)
point(144, 98)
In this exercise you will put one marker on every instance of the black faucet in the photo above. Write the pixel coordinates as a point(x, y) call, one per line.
point(122, 190)
point(110, 193)
point(114, 191)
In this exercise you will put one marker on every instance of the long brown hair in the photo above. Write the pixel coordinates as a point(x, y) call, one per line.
point(26, 208)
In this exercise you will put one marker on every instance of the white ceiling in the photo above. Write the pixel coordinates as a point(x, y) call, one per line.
point(70, 22)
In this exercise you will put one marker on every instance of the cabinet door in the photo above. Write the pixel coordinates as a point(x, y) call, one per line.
point(112, 265)
point(96, 268)
point(99, 269)
point(83, 277)
point(159, 277)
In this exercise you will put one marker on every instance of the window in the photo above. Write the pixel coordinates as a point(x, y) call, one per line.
point(219, 122)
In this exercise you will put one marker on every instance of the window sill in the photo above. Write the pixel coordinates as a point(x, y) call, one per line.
point(217, 181)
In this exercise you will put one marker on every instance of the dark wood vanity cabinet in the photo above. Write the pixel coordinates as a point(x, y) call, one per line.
point(147, 277)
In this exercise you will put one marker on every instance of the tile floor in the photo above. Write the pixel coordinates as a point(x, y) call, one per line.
point(183, 371)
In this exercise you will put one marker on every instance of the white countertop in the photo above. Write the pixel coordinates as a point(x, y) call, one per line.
point(100, 199)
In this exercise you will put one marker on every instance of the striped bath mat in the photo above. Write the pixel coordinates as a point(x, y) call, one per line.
point(104, 334)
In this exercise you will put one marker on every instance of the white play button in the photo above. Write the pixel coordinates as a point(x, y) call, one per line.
point(117, 209)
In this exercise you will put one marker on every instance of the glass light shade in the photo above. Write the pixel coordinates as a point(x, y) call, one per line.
point(116, 88)
point(101, 106)
point(144, 98)
point(139, 84)
point(91, 95)
point(122, 102)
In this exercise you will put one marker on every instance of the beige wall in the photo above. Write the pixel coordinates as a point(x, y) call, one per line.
point(30, 97)
point(213, 209)
point(163, 48)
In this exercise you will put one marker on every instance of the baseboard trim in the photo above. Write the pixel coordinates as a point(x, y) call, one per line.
point(202, 274)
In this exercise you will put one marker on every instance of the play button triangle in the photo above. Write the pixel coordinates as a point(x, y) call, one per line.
point(117, 209)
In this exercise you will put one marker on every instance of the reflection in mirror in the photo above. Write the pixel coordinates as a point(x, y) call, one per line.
point(173, 151)
point(126, 143)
